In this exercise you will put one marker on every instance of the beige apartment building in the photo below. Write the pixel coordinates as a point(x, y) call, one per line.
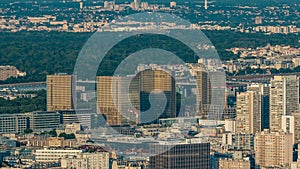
point(98, 160)
point(264, 93)
point(291, 124)
point(51, 142)
point(248, 112)
point(273, 148)
point(284, 98)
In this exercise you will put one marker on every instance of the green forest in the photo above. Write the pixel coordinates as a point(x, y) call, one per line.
point(42, 53)
point(24, 105)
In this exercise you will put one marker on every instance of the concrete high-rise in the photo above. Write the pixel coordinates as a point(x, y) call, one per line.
point(180, 156)
point(291, 124)
point(138, 100)
point(153, 86)
point(216, 94)
point(273, 148)
point(61, 92)
point(111, 98)
point(284, 99)
point(248, 118)
point(264, 91)
point(288, 125)
point(203, 88)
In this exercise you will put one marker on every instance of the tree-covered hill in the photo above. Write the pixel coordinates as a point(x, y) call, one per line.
point(42, 53)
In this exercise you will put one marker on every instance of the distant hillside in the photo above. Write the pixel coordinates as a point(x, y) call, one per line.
point(218, 2)
point(42, 53)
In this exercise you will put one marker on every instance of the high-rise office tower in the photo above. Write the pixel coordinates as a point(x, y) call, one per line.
point(217, 94)
point(273, 148)
point(264, 91)
point(136, 100)
point(112, 101)
point(203, 88)
point(154, 86)
point(61, 92)
point(248, 112)
point(284, 99)
point(180, 156)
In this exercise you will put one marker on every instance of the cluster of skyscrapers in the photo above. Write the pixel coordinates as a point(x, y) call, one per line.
point(265, 123)
point(125, 100)
point(269, 112)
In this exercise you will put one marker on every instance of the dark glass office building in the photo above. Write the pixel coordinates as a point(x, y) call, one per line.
point(180, 156)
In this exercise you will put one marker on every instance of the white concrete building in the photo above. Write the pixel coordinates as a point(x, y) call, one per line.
point(54, 155)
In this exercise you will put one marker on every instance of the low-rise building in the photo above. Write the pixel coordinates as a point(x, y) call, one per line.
point(44, 120)
point(7, 72)
point(54, 155)
point(51, 142)
point(98, 160)
point(13, 123)
point(234, 164)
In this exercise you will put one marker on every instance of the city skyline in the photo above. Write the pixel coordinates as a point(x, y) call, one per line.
point(141, 84)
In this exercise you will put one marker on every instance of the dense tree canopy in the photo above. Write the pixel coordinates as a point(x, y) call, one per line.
point(67, 136)
point(24, 105)
point(42, 53)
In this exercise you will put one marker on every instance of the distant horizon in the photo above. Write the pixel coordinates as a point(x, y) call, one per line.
point(233, 2)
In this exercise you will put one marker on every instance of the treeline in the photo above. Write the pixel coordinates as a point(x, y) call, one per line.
point(250, 71)
point(42, 53)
